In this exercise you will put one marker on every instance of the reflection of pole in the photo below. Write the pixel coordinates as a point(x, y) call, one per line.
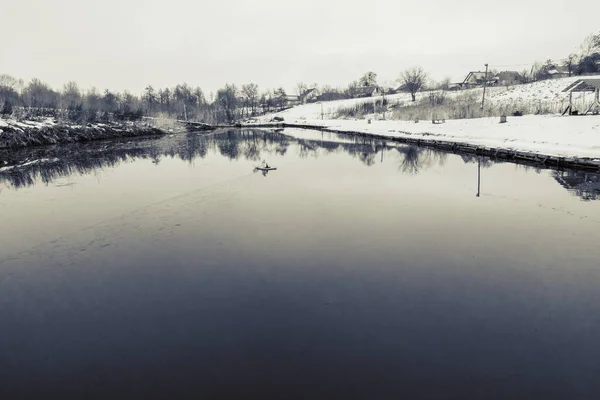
point(478, 176)
point(382, 147)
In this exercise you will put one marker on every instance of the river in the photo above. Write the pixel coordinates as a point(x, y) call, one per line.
point(167, 267)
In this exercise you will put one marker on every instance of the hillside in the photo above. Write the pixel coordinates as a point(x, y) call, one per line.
point(546, 95)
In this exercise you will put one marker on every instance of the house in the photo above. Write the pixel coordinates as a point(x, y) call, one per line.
point(402, 89)
point(556, 72)
point(330, 96)
point(308, 96)
point(507, 78)
point(367, 91)
point(292, 100)
point(473, 79)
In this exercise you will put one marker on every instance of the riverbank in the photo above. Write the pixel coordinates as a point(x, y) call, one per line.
point(16, 134)
point(571, 141)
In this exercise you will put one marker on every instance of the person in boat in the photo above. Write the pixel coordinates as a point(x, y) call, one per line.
point(265, 164)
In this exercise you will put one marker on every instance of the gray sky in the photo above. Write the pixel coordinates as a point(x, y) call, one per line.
point(128, 44)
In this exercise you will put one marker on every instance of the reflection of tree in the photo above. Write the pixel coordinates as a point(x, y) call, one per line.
point(414, 160)
point(308, 148)
point(485, 162)
point(46, 164)
point(228, 147)
point(585, 185)
point(367, 158)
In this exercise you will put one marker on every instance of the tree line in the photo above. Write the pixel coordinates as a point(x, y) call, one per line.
point(230, 103)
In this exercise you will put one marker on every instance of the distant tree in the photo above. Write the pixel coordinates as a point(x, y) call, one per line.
point(39, 95)
point(6, 107)
point(352, 89)
point(8, 93)
point(71, 96)
point(414, 79)
point(9, 82)
point(280, 97)
point(129, 107)
point(301, 87)
point(589, 64)
point(542, 71)
point(92, 103)
point(444, 84)
point(199, 94)
point(570, 63)
point(150, 98)
point(250, 93)
point(590, 45)
point(368, 79)
point(109, 103)
point(165, 99)
point(227, 101)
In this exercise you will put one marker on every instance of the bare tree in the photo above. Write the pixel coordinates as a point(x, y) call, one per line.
point(590, 45)
point(352, 89)
point(250, 93)
point(368, 79)
point(150, 98)
point(280, 97)
point(444, 84)
point(9, 95)
point(227, 99)
point(414, 79)
point(570, 63)
point(71, 96)
point(301, 87)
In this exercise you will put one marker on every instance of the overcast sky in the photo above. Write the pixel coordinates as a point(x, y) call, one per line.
point(129, 44)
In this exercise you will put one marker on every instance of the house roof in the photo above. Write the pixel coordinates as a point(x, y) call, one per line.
point(402, 88)
point(364, 90)
point(583, 85)
point(554, 70)
point(307, 92)
point(477, 74)
point(508, 76)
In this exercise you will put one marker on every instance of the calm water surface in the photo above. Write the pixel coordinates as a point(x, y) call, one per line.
point(167, 268)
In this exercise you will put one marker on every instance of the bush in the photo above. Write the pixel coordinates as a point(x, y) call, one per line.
point(7, 108)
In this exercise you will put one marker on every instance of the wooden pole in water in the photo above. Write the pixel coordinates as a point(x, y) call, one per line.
point(484, 86)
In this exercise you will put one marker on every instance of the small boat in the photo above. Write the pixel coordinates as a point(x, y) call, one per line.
point(266, 169)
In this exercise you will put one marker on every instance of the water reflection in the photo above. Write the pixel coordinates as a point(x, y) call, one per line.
point(23, 168)
point(583, 184)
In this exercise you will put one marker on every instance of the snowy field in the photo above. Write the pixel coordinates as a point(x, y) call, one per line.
point(551, 135)
point(545, 92)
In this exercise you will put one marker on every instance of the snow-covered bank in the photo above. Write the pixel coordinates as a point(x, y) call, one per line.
point(549, 135)
point(545, 135)
point(569, 137)
point(15, 133)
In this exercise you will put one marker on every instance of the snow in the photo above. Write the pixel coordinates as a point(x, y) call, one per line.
point(576, 136)
point(548, 92)
point(41, 160)
point(549, 135)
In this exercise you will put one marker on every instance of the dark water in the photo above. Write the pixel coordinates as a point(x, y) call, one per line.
point(166, 268)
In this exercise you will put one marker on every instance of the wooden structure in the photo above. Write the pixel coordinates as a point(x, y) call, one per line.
point(584, 85)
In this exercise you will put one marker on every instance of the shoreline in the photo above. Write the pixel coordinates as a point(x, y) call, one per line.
point(23, 134)
point(425, 139)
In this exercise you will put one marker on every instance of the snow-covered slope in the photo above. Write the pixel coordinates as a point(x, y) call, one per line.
point(548, 93)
